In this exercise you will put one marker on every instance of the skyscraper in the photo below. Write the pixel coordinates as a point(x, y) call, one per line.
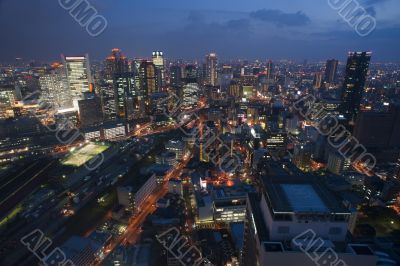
point(211, 69)
point(354, 82)
point(78, 76)
point(115, 64)
point(190, 95)
point(226, 77)
point(331, 70)
point(54, 88)
point(318, 80)
point(90, 112)
point(158, 61)
point(302, 156)
point(270, 69)
point(148, 77)
point(176, 76)
point(190, 74)
point(125, 88)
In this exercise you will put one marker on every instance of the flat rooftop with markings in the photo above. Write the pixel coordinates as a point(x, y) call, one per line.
point(80, 156)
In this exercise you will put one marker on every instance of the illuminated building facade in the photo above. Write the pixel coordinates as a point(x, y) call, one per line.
point(158, 61)
point(54, 88)
point(211, 69)
point(125, 90)
point(148, 77)
point(190, 95)
point(78, 76)
point(115, 64)
point(7, 100)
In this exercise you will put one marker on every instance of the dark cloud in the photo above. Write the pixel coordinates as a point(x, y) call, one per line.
point(374, 2)
point(281, 18)
point(197, 21)
point(389, 35)
point(370, 5)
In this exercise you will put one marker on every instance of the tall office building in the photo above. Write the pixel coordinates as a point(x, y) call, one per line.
point(318, 80)
point(331, 70)
point(158, 61)
point(115, 64)
point(90, 112)
point(354, 82)
point(54, 88)
point(191, 75)
point(176, 76)
point(379, 129)
point(337, 163)
point(108, 100)
point(211, 69)
point(270, 69)
point(176, 80)
point(148, 77)
point(302, 156)
point(139, 93)
point(125, 91)
point(226, 77)
point(78, 76)
point(190, 95)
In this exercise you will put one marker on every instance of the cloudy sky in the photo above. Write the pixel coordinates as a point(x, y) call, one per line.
point(251, 29)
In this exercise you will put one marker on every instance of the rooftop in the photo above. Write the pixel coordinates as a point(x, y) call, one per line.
point(303, 198)
point(301, 194)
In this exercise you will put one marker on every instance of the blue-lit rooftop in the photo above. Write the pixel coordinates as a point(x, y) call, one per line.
point(303, 198)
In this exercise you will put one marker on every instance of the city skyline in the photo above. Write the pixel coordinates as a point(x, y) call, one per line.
point(199, 133)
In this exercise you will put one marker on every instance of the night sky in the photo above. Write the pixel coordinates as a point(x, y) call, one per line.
point(254, 29)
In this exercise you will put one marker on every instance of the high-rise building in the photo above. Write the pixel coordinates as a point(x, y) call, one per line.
point(90, 112)
point(379, 129)
point(7, 99)
point(318, 80)
point(297, 214)
point(54, 88)
point(211, 69)
point(78, 76)
point(337, 163)
point(108, 100)
point(115, 64)
point(125, 89)
point(226, 77)
point(176, 76)
point(191, 74)
point(158, 61)
point(302, 156)
point(139, 93)
point(354, 82)
point(190, 95)
point(270, 69)
point(148, 77)
point(331, 70)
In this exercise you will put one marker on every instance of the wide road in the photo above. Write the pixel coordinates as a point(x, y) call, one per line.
point(133, 230)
